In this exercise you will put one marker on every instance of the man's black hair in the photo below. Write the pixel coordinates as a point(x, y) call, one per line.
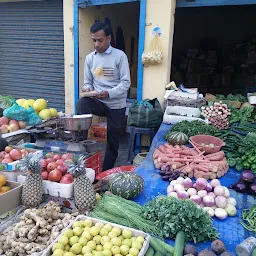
point(98, 25)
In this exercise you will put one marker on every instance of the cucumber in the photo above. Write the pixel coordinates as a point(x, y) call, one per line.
point(179, 244)
point(161, 246)
point(157, 253)
point(150, 252)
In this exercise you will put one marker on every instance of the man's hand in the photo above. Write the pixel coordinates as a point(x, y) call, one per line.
point(102, 95)
point(85, 89)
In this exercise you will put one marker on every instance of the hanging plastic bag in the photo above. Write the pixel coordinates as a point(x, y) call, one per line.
point(153, 54)
point(33, 118)
point(16, 112)
point(6, 101)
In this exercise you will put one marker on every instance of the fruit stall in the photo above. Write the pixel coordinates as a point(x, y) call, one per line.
point(194, 194)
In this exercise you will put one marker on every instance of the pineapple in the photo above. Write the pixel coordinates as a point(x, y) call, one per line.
point(32, 191)
point(84, 193)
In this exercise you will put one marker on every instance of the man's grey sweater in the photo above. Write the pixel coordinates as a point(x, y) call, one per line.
point(108, 71)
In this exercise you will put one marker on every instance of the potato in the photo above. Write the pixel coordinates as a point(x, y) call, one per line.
point(218, 246)
point(190, 249)
point(206, 252)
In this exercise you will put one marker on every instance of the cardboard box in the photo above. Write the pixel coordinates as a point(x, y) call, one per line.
point(11, 199)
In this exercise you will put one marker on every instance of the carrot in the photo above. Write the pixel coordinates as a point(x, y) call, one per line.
point(191, 175)
point(201, 168)
point(177, 165)
point(162, 149)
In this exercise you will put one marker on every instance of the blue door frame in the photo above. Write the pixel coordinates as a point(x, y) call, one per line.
point(142, 23)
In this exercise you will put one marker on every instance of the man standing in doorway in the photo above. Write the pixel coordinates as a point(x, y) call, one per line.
point(107, 75)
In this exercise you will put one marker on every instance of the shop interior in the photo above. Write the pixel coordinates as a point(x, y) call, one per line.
point(214, 49)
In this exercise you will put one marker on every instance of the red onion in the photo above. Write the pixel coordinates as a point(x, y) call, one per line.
point(208, 201)
point(192, 191)
point(219, 191)
point(202, 193)
point(187, 183)
point(196, 199)
point(201, 183)
point(221, 201)
point(182, 195)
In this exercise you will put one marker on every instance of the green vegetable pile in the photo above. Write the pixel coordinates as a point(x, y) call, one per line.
point(243, 115)
point(172, 215)
point(249, 219)
point(232, 97)
point(192, 128)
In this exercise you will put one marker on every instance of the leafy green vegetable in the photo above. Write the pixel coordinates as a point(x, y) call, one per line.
point(232, 97)
point(172, 215)
point(241, 115)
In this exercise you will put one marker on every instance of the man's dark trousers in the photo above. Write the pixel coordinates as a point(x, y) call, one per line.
point(115, 120)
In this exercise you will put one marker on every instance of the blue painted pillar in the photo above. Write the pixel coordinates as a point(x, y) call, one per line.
point(76, 54)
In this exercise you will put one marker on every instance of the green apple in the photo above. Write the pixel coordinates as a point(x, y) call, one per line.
point(73, 240)
point(124, 249)
point(91, 244)
point(77, 231)
point(86, 249)
point(97, 239)
point(127, 233)
point(121, 237)
point(100, 225)
point(87, 235)
point(87, 229)
point(133, 239)
point(107, 245)
point(115, 250)
point(57, 246)
point(88, 254)
point(118, 254)
point(108, 227)
point(137, 245)
point(93, 252)
point(104, 232)
point(99, 247)
point(104, 239)
point(116, 241)
point(98, 253)
point(140, 239)
point(107, 252)
point(134, 251)
point(87, 223)
point(58, 252)
point(68, 254)
point(127, 242)
point(67, 247)
point(83, 241)
point(117, 230)
point(76, 248)
point(77, 224)
point(112, 234)
point(129, 254)
point(94, 231)
point(68, 233)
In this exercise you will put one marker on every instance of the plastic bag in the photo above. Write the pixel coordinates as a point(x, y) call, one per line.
point(16, 112)
point(154, 53)
point(6, 101)
point(33, 118)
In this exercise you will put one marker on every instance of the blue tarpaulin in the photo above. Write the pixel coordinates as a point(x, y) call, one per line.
point(230, 230)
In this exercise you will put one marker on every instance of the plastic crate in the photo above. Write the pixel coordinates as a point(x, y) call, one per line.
point(94, 161)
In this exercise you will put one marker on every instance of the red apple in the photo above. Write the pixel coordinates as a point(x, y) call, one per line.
point(44, 175)
point(44, 163)
point(51, 166)
point(7, 156)
point(60, 161)
point(49, 160)
point(62, 168)
point(66, 156)
point(15, 154)
point(66, 179)
point(57, 157)
point(2, 154)
point(7, 160)
point(49, 155)
point(55, 175)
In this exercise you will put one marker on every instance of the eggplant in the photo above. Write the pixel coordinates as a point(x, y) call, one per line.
point(247, 176)
point(168, 168)
point(162, 173)
point(240, 187)
point(253, 189)
point(166, 177)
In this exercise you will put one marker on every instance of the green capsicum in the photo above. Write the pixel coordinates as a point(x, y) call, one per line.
point(246, 164)
point(239, 167)
point(253, 168)
point(231, 162)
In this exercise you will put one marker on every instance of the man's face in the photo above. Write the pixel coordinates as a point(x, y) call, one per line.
point(101, 41)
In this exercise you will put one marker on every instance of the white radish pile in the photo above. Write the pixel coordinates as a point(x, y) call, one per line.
point(212, 197)
point(217, 114)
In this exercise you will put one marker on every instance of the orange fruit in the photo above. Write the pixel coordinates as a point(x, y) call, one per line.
point(5, 189)
point(2, 180)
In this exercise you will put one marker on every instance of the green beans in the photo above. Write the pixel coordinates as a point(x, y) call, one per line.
point(249, 219)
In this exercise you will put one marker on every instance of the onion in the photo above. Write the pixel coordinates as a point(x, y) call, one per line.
point(201, 183)
point(192, 191)
point(209, 210)
point(170, 189)
point(182, 195)
point(226, 193)
point(202, 193)
point(180, 180)
point(231, 201)
point(220, 213)
point(178, 187)
point(221, 201)
point(173, 182)
point(187, 183)
point(211, 194)
point(208, 187)
point(208, 201)
point(214, 183)
point(196, 199)
point(172, 194)
point(219, 191)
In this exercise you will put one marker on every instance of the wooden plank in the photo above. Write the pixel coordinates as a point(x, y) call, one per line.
point(198, 3)
point(85, 3)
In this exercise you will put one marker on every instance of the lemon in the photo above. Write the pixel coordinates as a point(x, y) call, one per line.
point(40, 104)
point(45, 114)
point(28, 103)
point(53, 111)
point(20, 102)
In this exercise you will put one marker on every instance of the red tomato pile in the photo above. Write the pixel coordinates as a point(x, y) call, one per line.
point(55, 168)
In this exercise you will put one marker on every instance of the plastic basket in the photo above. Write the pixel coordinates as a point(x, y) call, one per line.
point(94, 161)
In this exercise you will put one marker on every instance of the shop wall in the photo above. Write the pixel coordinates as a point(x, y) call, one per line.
point(126, 15)
point(158, 76)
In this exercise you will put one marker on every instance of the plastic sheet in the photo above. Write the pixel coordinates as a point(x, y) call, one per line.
point(230, 230)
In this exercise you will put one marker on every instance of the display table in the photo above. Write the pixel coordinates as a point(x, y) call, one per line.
point(230, 230)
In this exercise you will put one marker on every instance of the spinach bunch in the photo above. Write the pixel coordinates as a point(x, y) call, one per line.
point(171, 215)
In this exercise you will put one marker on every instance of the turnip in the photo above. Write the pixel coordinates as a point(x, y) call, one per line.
point(220, 213)
point(180, 180)
point(221, 201)
point(208, 187)
point(201, 183)
point(219, 191)
point(231, 210)
point(209, 210)
point(231, 201)
point(173, 182)
point(226, 193)
point(172, 194)
point(211, 194)
point(214, 183)
point(202, 193)
point(196, 199)
point(182, 195)
point(208, 201)
point(192, 191)
point(178, 187)
point(187, 183)
point(170, 188)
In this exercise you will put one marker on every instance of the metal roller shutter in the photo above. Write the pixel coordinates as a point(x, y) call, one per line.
point(32, 51)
